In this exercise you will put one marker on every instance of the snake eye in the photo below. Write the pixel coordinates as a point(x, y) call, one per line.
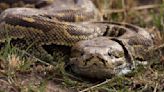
point(116, 54)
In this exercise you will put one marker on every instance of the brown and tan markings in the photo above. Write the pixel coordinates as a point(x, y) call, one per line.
point(98, 49)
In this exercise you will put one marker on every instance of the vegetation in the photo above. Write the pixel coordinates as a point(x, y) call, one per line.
point(22, 72)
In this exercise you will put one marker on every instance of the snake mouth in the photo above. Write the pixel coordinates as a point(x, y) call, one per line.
point(99, 68)
point(99, 61)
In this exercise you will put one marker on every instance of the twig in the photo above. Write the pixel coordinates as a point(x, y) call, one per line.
point(37, 59)
point(156, 86)
point(158, 48)
point(125, 9)
point(92, 87)
point(133, 9)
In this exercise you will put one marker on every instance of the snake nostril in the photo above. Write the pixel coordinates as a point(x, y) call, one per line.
point(109, 54)
point(95, 64)
point(82, 53)
point(116, 56)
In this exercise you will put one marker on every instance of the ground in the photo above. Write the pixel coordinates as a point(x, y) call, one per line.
point(20, 72)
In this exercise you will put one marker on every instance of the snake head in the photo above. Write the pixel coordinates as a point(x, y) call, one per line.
point(98, 58)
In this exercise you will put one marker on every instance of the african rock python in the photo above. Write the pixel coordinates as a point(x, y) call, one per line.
point(99, 49)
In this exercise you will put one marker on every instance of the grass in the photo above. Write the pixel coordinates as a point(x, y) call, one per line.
point(20, 72)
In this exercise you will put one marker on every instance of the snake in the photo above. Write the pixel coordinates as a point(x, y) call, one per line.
point(96, 49)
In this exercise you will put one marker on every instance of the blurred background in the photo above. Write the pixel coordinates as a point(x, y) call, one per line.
point(145, 13)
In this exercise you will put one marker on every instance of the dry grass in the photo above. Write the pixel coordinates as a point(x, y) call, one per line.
point(21, 73)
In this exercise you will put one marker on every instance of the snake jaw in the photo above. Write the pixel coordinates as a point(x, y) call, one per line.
point(65, 22)
point(98, 58)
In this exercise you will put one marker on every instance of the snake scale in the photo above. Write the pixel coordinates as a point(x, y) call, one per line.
point(97, 49)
